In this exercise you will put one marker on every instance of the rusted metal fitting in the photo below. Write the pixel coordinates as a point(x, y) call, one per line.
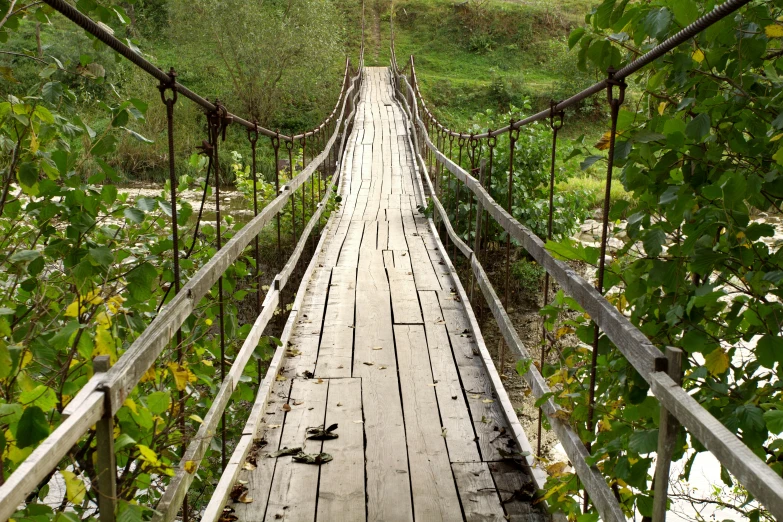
point(276, 140)
point(513, 133)
point(171, 84)
point(252, 134)
point(491, 140)
point(461, 140)
point(555, 117)
point(205, 149)
point(611, 84)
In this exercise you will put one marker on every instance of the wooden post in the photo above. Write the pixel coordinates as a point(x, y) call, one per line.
point(106, 465)
point(479, 211)
point(667, 438)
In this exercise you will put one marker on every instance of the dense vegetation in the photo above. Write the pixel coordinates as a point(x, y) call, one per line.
point(84, 268)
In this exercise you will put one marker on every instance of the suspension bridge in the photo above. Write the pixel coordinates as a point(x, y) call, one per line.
point(381, 340)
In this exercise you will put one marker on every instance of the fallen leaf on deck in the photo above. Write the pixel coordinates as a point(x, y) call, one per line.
point(319, 381)
point(382, 367)
point(286, 407)
point(237, 491)
point(312, 458)
point(245, 498)
point(476, 396)
point(297, 403)
point(369, 363)
point(281, 378)
point(358, 422)
point(377, 347)
point(487, 401)
point(319, 433)
point(339, 404)
point(273, 426)
point(249, 466)
point(284, 452)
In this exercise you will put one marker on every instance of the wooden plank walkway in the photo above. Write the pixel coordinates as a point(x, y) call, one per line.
point(384, 349)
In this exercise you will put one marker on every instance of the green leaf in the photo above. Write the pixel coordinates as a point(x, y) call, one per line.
point(24, 256)
point(769, 350)
point(32, 428)
point(574, 37)
point(41, 396)
point(140, 281)
point(657, 22)
point(134, 215)
point(589, 161)
point(643, 441)
point(104, 146)
point(653, 242)
point(138, 136)
point(774, 420)
point(685, 11)
point(698, 127)
point(102, 256)
point(52, 92)
point(158, 402)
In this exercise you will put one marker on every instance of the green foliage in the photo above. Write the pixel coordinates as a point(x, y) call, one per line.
point(529, 275)
point(700, 153)
point(85, 268)
point(530, 181)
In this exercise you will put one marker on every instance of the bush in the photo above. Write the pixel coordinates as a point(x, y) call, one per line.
point(528, 274)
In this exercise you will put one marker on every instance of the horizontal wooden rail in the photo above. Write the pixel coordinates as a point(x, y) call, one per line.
point(758, 478)
point(106, 392)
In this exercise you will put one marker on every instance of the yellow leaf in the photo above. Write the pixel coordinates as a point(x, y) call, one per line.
point(33, 141)
point(104, 344)
point(74, 487)
point(774, 31)
point(27, 358)
point(103, 319)
point(190, 467)
point(717, 361)
point(182, 375)
point(776, 137)
point(603, 143)
point(147, 454)
point(131, 404)
point(698, 56)
point(556, 469)
point(72, 310)
point(149, 375)
point(563, 330)
point(604, 425)
point(662, 107)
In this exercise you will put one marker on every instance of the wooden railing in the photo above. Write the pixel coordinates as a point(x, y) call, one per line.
point(103, 395)
point(661, 370)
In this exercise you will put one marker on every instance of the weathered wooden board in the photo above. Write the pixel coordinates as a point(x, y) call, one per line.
point(477, 492)
point(336, 349)
point(459, 433)
point(341, 485)
point(405, 300)
point(434, 493)
point(294, 486)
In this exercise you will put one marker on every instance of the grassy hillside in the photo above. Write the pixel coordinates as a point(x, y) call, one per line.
point(482, 54)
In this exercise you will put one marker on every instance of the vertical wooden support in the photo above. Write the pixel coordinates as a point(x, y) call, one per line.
point(667, 438)
point(106, 465)
point(479, 212)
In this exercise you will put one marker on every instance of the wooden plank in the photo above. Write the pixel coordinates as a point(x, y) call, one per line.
point(259, 479)
point(349, 254)
point(383, 233)
point(388, 259)
point(388, 482)
point(294, 486)
point(402, 261)
point(423, 271)
point(405, 300)
point(341, 485)
point(434, 493)
point(396, 232)
point(335, 352)
point(459, 435)
point(480, 500)
point(516, 491)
